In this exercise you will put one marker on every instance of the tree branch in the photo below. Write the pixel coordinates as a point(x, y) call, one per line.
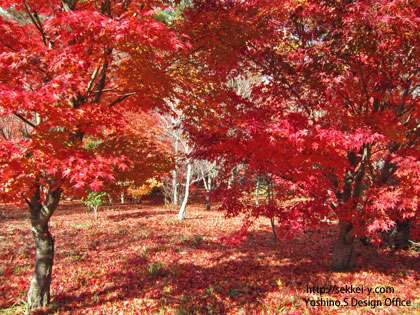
point(121, 98)
point(25, 120)
point(363, 86)
point(92, 79)
point(100, 85)
point(36, 22)
point(69, 5)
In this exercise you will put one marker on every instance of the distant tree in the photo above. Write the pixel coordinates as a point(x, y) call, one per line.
point(93, 201)
point(187, 170)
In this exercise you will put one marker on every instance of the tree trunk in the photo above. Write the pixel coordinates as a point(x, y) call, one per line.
point(257, 191)
point(344, 256)
point(182, 210)
point(231, 181)
point(270, 197)
point(208, 203)
point(273, 227)
point(174, 178)
point(174, 189)
point(39, 290)
point(208, 190)
point(399, 237)
point(95, 210)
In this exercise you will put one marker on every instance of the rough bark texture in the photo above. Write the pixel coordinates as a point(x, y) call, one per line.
point(41, 212)
point(344, 256)
point(39, 291)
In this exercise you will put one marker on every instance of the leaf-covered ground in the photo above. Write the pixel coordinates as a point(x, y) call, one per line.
point(138, 259)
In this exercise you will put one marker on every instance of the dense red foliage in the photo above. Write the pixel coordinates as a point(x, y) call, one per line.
point(71, 71)
point(334, 117)
point(330, 121)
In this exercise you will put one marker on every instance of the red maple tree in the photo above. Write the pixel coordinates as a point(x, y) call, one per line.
point(69, 72)
point(334, 121)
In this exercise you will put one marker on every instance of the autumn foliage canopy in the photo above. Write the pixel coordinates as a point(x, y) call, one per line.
point(331, 116)
point(70, 73)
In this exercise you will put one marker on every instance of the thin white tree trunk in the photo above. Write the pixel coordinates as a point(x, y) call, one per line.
point(204, 181)
point(257, 191)
point(174, 188)
point(182, 210)
point(37, 119)
point(174, 180)
point(95, 209)
point(208, 189)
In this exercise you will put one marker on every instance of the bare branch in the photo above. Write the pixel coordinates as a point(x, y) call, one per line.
point(27, 201)
point(69, 5)
point(94, 74)
point(36, 22)
point(100, 85)
point(25, 120)
point(121, 98)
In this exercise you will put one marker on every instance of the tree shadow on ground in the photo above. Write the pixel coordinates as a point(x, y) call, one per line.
point(139, 213)
point(205, 276)
point(11, 212)
point(233, 277)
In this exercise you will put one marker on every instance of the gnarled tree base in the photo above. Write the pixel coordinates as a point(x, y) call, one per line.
point(344, 257)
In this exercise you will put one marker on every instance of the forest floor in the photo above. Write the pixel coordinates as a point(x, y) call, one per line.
point(139, 259)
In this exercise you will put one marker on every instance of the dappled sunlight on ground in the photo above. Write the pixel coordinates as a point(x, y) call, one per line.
point(139, 259)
